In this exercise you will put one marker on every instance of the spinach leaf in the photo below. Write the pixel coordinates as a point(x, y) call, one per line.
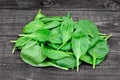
point(80, 44)
point(89, 27)
point(40, 35)
point(93, 41)
point(32, 53)
point(68, 15)
point(21, 42)
point(39, 15)
point(52, 24)
point(66, 29)
point(55, 36)
point(89, 59)
point(100, 50)
point(54, 54)
point(66, 47)
point(68, 62)
point(33, 26)
point(50, 63)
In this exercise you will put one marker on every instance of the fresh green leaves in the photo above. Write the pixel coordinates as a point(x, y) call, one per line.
point(52, 24)
point(32, 53)
point(39, 15)
point(55, 36)
point(33, 26)
point(89, 59)
point(60, 42)
point(66, 29)
point(22, 41)
point(69, 62)
point(54, 54)
point(39, 35)
point(80, 44)
point(89, 27)
point(99, 50)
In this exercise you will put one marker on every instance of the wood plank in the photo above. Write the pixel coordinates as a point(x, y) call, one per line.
point(10, 4)
point(15, 69)
point(24, 16)
point(61, 4)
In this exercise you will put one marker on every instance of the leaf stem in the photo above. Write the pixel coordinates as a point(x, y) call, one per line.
point(77, 64)
point(108, 37)
point(13, 49)
point(94, 62)
point(22, 35)
point(102, 34)
point(61, 46)
point(57, 66)
point(13, 41)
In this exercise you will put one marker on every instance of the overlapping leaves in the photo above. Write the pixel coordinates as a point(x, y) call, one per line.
point(60, 42)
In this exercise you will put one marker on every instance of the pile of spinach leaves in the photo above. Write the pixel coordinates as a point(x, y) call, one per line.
point(60, 42)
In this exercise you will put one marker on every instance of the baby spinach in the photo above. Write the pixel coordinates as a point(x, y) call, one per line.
point(66, 47)
point(33, 26)
point(55, 36)
point(89, 27)
point(89, 59)
point(50, 63)
point(52, 24)
point(100, 50)
point(93, 41)
point(20, 42)
point(80, 44)
point(39, 15)
point(40, 35)
point(68, 62)
point(66, 30)
point(61, 42)
point(54, 54)
point(32, 53)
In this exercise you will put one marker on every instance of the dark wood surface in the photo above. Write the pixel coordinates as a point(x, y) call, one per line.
point(14, 14)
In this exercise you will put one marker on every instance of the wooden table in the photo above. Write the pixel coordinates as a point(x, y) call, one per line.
point(14, 14)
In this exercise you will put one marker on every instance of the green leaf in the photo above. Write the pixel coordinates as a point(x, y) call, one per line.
point(80, 44)
point(55, 36)
point(68, 62)
point(21, 42)
point(40, 35)
point(93, 41)
point(50, 63)
point(66, 29)
point(89, 59)
point(32, 53)
point(89, 27)
point(33, 26)
point(52, 24)
point(39, 15)
point(68, 15)
point(66, 47)
point(54, 54)
point(100, 50)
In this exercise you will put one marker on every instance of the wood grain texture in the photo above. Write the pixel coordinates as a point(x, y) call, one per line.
point(14, 15)
point(61, 4)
